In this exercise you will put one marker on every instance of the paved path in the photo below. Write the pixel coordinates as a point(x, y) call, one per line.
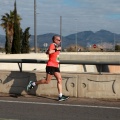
point(48, 108)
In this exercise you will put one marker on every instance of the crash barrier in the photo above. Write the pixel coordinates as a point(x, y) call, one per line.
point(99, 63)
point(74, 85)
point(78, 62)
point(21, 61)
point(91, 85)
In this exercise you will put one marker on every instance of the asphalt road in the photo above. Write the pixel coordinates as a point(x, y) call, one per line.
point(48, 108)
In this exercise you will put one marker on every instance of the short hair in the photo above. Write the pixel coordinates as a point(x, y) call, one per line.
point(53, 38)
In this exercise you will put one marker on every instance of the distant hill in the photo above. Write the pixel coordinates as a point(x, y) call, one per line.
point(83, 38)
point(45, 38)
point(89, 37)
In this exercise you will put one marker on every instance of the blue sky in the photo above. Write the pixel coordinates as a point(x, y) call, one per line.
point(77, 15)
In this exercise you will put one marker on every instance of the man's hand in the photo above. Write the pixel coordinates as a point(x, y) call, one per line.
point(58, 48)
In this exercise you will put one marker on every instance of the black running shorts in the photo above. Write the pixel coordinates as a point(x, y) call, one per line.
point(51, 70)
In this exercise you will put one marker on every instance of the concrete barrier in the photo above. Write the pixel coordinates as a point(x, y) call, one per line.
point(74, 85)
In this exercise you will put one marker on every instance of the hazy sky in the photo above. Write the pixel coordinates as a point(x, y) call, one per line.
point(77, 15)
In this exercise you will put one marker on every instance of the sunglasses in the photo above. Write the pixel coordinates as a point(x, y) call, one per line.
point(58, 40)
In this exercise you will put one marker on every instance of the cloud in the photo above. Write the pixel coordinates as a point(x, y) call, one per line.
point(77, 15)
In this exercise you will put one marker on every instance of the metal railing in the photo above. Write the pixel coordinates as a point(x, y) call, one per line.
point(75, 62)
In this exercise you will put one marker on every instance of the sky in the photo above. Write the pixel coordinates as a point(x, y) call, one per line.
point(77, 15)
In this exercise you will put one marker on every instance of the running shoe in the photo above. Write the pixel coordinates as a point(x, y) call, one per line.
point(30, 86)
point(63, 98)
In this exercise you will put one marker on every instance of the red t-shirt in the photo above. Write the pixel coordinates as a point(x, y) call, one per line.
point(54, 57)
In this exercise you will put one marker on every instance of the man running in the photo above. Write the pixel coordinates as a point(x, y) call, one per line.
point(52, 68)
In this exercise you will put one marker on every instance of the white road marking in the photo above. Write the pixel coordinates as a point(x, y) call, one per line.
point(7, 119)
point(58, 104)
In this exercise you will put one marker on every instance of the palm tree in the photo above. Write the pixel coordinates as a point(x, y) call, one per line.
point(8, 26)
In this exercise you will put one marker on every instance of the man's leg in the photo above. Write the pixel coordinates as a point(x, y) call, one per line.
point(59, 86)
point(59, 81)
point(43, 81)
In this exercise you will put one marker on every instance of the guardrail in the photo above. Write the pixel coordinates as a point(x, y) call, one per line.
point(87, 62)
point(21, 61)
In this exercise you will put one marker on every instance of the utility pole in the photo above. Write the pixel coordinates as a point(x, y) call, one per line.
point(61, 31)
point(76, 36)
point(35, 35)
point(114, 42)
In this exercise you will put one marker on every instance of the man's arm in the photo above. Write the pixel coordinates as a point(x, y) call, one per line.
point(53, 49)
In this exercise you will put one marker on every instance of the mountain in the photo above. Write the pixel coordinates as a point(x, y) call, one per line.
point(89, 37)
point(83, 38)
point(43, 39)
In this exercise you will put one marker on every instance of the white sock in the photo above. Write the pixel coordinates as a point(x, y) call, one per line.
point(33, 84)
point(60, 95)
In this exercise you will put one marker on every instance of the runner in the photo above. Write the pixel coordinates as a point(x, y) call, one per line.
point(52, 68)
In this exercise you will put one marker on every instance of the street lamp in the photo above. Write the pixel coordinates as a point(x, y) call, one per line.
point(35, 36)
point(76, 35)
point(61, 31)
point(114, 42)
